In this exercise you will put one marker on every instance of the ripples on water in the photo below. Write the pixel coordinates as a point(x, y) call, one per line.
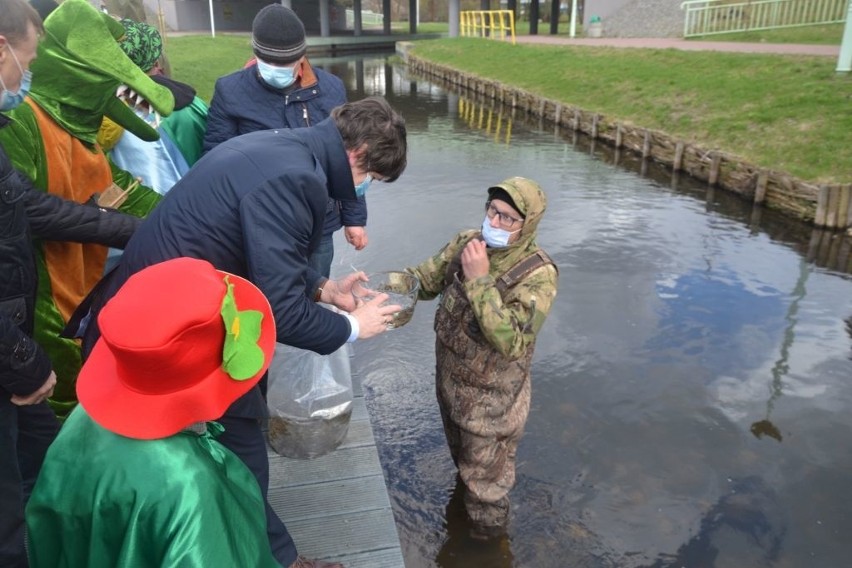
point(687, 324)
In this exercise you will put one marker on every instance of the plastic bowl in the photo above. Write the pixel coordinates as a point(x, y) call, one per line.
point(402, 288)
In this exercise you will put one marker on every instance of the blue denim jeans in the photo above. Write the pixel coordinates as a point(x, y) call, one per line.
point(321, 259)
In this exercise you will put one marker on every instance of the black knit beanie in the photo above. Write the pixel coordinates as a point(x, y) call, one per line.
point(278, 35)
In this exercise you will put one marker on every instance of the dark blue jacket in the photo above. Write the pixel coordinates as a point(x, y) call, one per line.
point(243, 102)
point(24, 367)
point(253, 206)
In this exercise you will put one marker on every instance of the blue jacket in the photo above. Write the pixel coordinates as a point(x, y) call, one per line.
point(254, 206)
point(243, 102)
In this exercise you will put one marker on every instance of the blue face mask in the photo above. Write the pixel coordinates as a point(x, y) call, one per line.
point(495, 238)
point(278, 77)
point(361, 188)
point(8, 99)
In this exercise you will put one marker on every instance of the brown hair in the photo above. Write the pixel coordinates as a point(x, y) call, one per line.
point(17, 15)
point(374, 123)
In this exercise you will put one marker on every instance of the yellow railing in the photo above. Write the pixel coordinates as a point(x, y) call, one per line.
point(496, 24)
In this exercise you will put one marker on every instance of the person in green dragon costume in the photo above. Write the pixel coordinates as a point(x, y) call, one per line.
point(52, 140)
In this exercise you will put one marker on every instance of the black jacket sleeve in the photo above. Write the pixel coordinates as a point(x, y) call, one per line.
point(24, 366)
point(55, 219)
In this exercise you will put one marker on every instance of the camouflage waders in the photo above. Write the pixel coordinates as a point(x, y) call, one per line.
point(484, 398)
point(486, 331)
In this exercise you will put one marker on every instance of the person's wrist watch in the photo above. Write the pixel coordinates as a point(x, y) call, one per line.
point(318, 293)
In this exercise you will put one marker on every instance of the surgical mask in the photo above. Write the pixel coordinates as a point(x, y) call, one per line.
point(278, 77)
point(495, 238)
point(8, 99)
point(361, 188)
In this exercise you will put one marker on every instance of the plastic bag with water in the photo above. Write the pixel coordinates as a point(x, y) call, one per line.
point(310, 401)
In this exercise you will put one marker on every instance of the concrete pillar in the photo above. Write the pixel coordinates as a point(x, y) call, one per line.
point(533, 17)
point(554, 16)
point(844, 60)
point(454, 18)
point(325, 22)
point(357, 24)
point(386, 16)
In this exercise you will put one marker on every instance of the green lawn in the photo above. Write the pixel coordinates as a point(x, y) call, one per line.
point(200, 60)
point(789, 113)
point(831, 34)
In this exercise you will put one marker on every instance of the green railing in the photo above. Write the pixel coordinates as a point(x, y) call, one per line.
point(707, 17)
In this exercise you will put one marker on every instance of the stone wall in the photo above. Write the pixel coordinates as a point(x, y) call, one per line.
point(646, 18)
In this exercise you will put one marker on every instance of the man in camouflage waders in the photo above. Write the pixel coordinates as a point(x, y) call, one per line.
point(497, 287)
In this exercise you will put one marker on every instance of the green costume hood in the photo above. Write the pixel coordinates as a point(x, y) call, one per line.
point(529, 200)
point(79, 68)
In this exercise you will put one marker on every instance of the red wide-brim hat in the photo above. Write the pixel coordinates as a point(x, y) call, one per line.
point(163, 361)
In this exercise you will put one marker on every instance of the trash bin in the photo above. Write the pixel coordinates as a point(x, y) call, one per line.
point(595, 28)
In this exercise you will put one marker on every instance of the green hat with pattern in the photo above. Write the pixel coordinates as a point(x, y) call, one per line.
point(142, 43)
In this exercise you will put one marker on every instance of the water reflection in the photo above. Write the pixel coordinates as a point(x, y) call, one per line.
point(464, 546)
point(744, 528)
point(486, 119)
point(690, 327)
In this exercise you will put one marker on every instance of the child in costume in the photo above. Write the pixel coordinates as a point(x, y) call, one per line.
point(52, 140)
point(150, 485)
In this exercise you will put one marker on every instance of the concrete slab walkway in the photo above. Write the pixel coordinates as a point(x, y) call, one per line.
point(336, 506)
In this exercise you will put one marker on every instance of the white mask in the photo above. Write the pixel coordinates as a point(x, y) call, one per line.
point(495, 238)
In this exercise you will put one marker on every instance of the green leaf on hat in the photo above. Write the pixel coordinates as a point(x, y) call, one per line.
point(242, 357)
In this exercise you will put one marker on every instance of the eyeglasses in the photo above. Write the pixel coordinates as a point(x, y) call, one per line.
point(505, 221)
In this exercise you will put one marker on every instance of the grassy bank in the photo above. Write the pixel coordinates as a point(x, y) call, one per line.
point(788, 113)
point(829, 34)
point(200, 60)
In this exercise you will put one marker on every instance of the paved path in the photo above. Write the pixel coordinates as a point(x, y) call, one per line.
point(677, 43)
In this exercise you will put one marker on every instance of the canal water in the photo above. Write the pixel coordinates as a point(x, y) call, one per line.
point(692, 404)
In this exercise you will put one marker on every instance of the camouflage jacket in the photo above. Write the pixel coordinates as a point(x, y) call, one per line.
point(509, 323)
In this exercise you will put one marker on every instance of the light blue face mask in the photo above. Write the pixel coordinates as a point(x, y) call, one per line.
point(495, 238)
point(278, 77)
point(361, 188)
point(8, 99)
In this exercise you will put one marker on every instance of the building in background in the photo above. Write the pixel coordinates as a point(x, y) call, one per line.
point(229, 15)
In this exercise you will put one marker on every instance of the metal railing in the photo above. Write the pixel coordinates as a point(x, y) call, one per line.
point(707, 17)
point(368, 18)
point(496, 24)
